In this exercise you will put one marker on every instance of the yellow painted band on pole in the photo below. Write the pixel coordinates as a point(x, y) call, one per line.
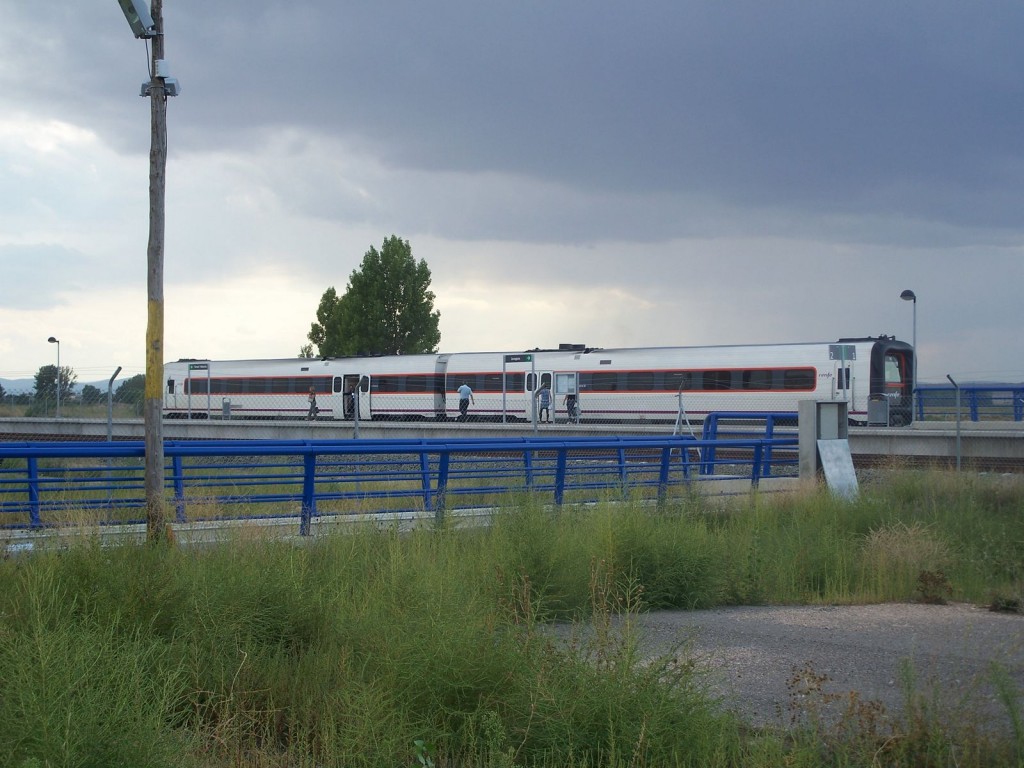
point(154, 350)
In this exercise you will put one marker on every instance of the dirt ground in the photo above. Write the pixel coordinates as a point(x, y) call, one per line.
point(770, 663)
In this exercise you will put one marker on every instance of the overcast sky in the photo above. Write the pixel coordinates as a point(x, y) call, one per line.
point(608, 173)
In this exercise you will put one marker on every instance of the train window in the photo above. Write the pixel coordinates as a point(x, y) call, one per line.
point(640, 381)
point(170, 386)
point(757, 379)
point(492, 382)
point(471, 380)
point(279, 385)
point(604, 382)
point(232, 386)
point(798, 378)
point(386, 384)
point(531, 382)
point(676, 380)
point(416, 383)
point(718, 380)
point(893, 370)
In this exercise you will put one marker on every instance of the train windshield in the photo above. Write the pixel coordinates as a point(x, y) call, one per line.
point(897, 369)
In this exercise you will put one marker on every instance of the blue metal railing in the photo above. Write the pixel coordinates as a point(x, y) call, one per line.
point(977, 403)
point(43, 484)
point(741, 424)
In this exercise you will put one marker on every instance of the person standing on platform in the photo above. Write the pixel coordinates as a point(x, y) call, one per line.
point(465, 398)
point(544, 404)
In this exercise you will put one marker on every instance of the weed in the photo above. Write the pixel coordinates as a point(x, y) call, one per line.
point(1004, 604)
point(260, 652)
point(423, 753)
point(933, 587)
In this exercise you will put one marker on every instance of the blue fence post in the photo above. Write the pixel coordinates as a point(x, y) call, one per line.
point(769, 433)
point(755, 470)
point(528, 466)
point(972, 398)
point(33, 492)
point(443, 465)
point(710, 432)
point(178, 478)
point(666, 458)
point(308, 492)
point(425, 481)
point(560, 464)
point(1018, 404)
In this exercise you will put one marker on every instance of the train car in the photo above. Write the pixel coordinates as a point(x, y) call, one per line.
point(655, 384)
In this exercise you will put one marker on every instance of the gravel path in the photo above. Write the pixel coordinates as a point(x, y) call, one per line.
point(752, 653)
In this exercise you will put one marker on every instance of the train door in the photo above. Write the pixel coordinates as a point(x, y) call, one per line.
point(566, 396)
point(841, 381)
point(350, 395)
point(440, 368)
point(535, 382)
point(898, 378)
point(356, 397)
point(844, 357)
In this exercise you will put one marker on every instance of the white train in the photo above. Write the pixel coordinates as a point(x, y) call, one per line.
point(653, 384)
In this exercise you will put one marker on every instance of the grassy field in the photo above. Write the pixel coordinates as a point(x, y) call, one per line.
point(430, 648)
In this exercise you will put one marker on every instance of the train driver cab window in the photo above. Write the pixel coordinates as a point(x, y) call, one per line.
point(893, 370)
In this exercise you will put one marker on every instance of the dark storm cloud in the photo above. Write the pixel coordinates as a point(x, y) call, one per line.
point(859, 108)
point(669, 115)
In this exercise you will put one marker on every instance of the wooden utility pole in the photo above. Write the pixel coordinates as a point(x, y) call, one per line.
point(157, 529)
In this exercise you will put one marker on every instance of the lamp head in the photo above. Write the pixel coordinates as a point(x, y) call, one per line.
point(138, 17)
point(53, 340)
point(908, 295)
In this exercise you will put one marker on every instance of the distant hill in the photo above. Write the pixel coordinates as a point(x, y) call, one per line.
point(28, 386)
point(18, 386)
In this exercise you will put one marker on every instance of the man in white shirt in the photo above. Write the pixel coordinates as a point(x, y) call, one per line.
point(465, 398)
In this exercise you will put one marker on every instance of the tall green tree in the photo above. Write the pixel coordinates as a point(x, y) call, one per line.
point(46, 383)
point(387, 307)
point(91, 395)
point(132, 390)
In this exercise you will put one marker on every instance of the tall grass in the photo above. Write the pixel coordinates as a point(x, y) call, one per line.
point(432, 648)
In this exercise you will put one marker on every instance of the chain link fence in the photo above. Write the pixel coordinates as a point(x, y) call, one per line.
point(380, 415)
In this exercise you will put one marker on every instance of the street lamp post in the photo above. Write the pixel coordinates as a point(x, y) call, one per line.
point(909, 295)
point(54, 340)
